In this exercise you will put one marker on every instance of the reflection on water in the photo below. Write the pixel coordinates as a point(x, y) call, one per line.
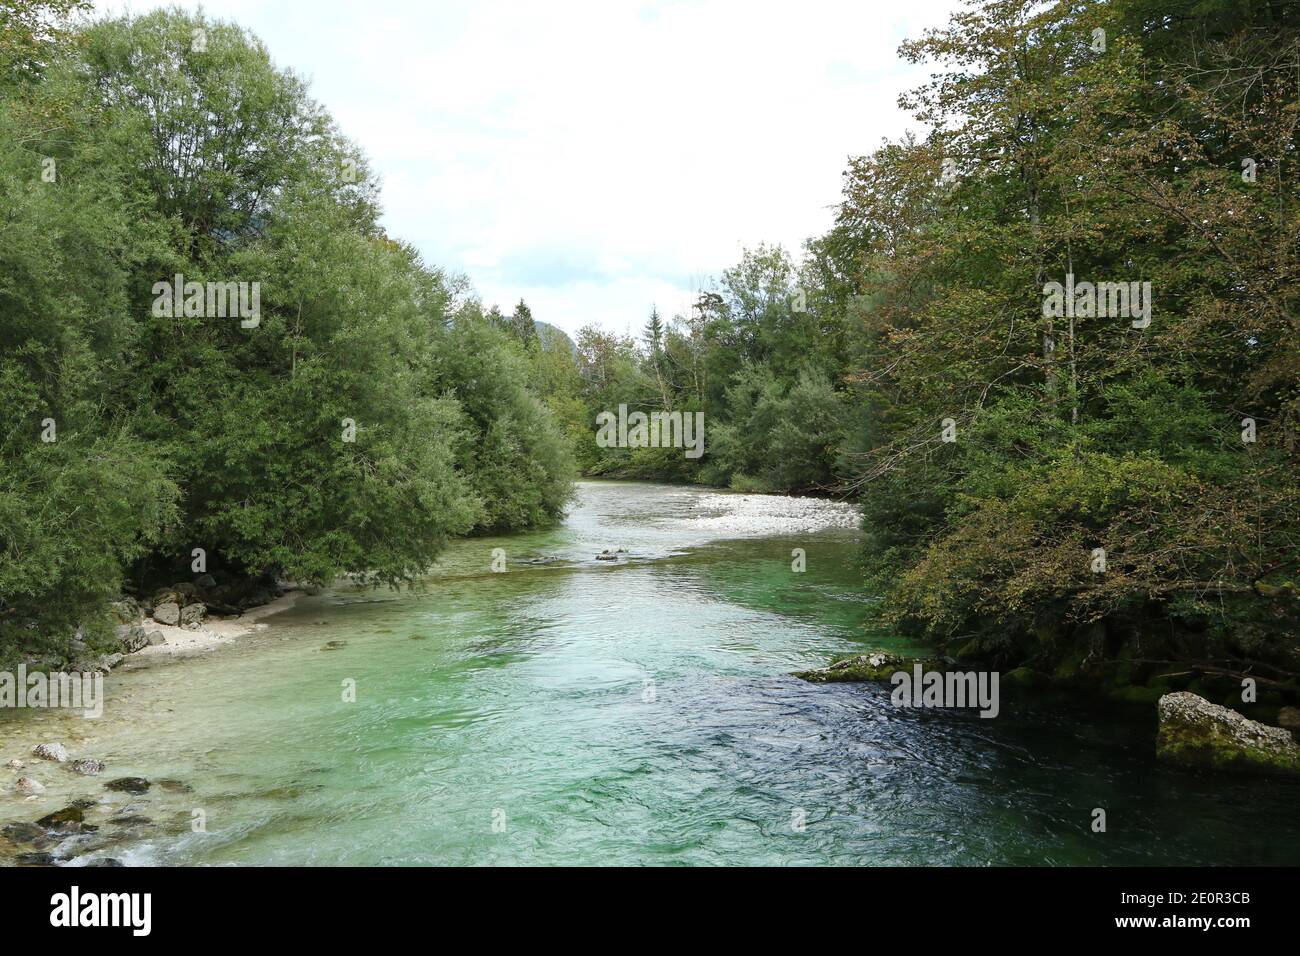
point(635, 711)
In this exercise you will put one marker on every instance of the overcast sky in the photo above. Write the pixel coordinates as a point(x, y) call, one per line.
point(598, 158)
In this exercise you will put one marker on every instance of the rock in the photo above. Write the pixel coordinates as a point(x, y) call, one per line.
point(23, 833)
point(132, 637)
point(56, 752)
point(1023, 677)
point(128, 785)
point(205, 581)
point(168, 612)
point(192, 615)
point(178, 594)
point(131, 820)
point(175, 786)
point(28, 785)
point(166, 596)
point(87, 766)
point(877, 665)
point(155, 638)
point(15, 765)
point(127, 610)
point(1196, 733)
point(334, 645)
point(67, 820)
point(607, 556)
point(60, 818)
point(106, 662)
point(106, 861)
point(35, 859)
point(1289, 717)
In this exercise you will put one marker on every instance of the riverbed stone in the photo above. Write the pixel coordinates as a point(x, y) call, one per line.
point(168, 612)
point(155, 638)
point(20, 833)
point(51, 751)
point(88, 766)
point(1196, 733)
point(35, 859)
point(29, 786)
point(873, 666)
point(15, 764)
point(128, 785)
point(70, 819)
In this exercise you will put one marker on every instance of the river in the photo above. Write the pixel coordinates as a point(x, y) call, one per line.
point(638, 711)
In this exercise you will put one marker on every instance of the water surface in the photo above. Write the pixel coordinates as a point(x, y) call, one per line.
point(633, 712)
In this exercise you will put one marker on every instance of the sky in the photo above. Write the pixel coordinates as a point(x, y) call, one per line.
point(598, 159)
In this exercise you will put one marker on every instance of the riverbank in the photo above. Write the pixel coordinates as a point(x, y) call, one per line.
point(180, 642)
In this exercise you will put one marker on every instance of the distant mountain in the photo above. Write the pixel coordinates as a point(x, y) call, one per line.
point(548, 334)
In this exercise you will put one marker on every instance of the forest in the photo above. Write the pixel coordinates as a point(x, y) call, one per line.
point(1048, 346)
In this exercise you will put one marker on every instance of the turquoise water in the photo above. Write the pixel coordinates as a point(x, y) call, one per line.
point(638, 712)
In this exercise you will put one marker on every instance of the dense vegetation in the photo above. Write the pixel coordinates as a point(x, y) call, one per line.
point(367, 413)
point(1076, 490)
point(1097, 511)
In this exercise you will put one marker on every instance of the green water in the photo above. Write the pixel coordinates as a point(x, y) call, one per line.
point(510, 718)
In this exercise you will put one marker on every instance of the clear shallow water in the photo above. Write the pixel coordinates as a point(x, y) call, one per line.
point(524, 695)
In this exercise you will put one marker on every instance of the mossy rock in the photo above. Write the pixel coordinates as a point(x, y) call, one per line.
point(1196, 733)
point(873, 666)
point(1024, 677)
point(1070, 667)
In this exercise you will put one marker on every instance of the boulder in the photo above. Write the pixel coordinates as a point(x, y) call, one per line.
point(67, 820)
point(131, 638)
point(205, 581)
point(20, 833)
point(36, 859)
point(28, 786)
point(102, 664)
point(56, 752)
point(136, 785)
point(87, 766)
point(1196, 733)
point(167, 596)
point(155, 638)
point(127, 610)
point(168, 612)
point(874, 666)
point(192, 615)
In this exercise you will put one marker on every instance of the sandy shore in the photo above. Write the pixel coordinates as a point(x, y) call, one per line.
point(183, 642)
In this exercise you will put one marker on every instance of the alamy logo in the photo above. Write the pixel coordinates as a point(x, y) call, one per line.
point(923, 688)
point(209, 300)
point(656, 430)
point(103, 909)
point(76, 691)
point(1110, 300)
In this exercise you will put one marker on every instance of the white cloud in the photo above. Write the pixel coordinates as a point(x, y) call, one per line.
point(594, 157)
